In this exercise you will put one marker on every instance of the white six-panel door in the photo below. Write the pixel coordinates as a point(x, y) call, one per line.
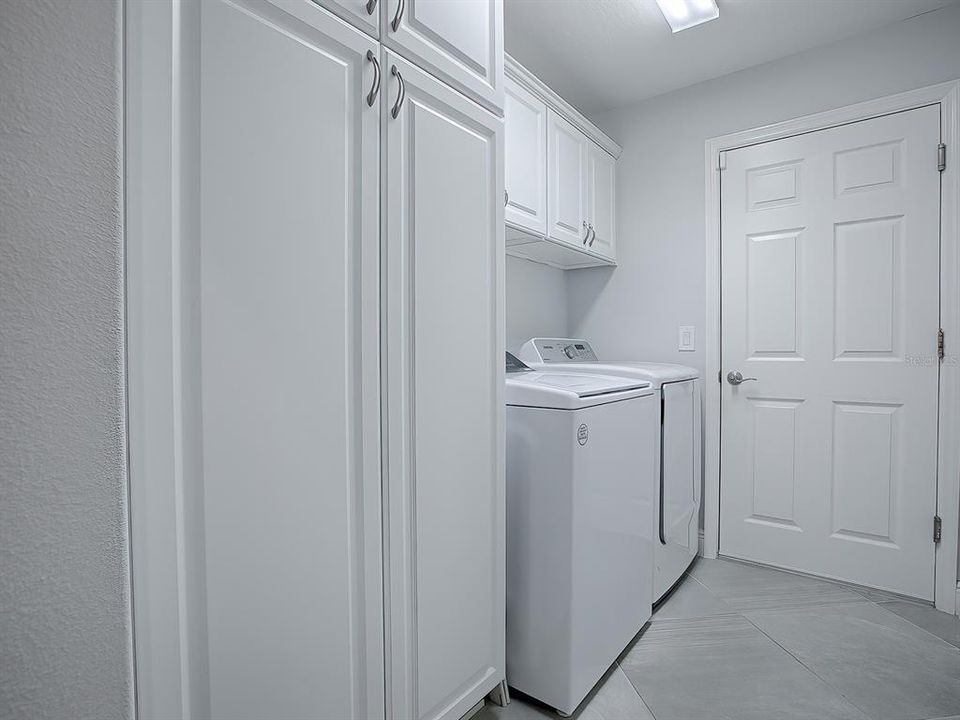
point(830, 267)
point(443, 361)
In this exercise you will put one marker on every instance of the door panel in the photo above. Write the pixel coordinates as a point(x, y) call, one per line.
point(460, 42)
point(444, 250)
point(680, 465)
point(566, 181)
point(602, 212)
point(359, 13)
point(830, 256)
point(288, 346)
point(525, 158)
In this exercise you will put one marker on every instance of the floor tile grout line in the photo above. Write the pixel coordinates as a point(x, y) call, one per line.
point(919, 627)
point(811, 670)
point(637, 691)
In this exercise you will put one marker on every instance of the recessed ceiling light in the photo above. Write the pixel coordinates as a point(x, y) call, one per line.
point(683, 14)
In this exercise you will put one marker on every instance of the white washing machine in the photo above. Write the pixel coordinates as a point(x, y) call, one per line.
point(581, 486)
point(679, 467)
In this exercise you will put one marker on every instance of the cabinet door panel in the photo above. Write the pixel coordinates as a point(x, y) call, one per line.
point(459, 41)
point(288, 342)
point(525, 158)
point(358, 13)
point(602, 177)
point(443, 343)
point(566, 181)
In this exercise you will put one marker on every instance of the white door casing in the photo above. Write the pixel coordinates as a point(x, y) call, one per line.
point(460, 42)
point(566, 181)
point(601, 202)
point(254, 338)
point(443, 378)
point(830, 260)
point(525, 158)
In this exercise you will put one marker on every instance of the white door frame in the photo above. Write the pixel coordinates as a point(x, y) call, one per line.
point(948, 485)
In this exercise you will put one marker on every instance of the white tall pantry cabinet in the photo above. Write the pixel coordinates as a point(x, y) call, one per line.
point(444, 393)
point(316, 357)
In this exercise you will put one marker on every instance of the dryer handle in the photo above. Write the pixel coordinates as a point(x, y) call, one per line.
point(698, 474)
point(661, 463)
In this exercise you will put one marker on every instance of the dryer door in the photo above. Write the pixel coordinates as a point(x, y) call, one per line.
point(680, 467)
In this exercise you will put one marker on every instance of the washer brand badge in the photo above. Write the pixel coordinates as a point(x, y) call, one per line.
point(582, 434)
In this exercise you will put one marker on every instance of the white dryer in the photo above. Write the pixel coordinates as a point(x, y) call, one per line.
point(581, 484)
point(679, 446)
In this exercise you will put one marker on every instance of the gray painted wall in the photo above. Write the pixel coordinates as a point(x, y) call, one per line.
point(536, 302)
point(65, 628)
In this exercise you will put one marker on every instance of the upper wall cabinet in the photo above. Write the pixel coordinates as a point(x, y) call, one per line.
point(460, 41)
point(560, 179)
point(566, 182)
point(525, 159)
point(601, 201)
point(362, 14)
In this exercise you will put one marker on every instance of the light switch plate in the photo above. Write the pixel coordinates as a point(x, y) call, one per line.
point(687, 338)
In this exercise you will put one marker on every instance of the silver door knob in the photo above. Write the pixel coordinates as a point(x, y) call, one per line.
point(735, 377)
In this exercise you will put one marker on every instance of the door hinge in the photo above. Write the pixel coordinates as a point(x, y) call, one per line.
point(940, 343)
point(937, 528)
point(722, 160)
point(942, 157)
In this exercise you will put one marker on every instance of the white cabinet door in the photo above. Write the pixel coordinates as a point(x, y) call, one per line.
point(566, 181)
point(525, 158)
point(459, 41)
point(287, 347)
point(443, 373)
point(601, 206)
point(362, 14)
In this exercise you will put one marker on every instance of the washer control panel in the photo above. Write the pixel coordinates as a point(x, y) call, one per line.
point(559, 350)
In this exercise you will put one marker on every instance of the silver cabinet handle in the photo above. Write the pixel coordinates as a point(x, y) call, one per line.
point(735, 377)
point(593, 235)
point(372, 95)
point(371, 6)
point(401, 93)
point(506, 198)
point(395, 23)
point(586, 232)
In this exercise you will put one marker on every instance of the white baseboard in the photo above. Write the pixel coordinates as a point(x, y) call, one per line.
point(700, 550)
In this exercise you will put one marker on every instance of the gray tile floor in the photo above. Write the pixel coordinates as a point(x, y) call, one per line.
point(740, 642)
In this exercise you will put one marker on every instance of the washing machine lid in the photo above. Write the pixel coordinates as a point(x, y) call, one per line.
point(568, 391)
point(577, 355)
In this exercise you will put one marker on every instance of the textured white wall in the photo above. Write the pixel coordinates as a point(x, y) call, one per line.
point(536, 302)
point(65, 628)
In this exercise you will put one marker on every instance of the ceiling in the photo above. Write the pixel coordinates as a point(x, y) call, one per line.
point(604, 54)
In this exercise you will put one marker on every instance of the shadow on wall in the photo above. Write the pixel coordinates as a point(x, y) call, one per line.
point(590, 283)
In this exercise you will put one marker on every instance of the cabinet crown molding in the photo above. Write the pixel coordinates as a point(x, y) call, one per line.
point(535, 85)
